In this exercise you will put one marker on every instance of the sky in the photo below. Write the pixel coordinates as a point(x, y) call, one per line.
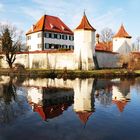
point(101, 13)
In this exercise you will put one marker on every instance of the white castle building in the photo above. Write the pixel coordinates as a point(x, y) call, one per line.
point(53, 45)
point(49, 33)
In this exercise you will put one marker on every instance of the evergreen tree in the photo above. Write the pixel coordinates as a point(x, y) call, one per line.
point(10, 44)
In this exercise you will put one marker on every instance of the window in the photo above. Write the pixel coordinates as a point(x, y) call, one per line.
point(55, 35)
point(64, 46)
point(46, 35)
point(69, 37)
point(72, 38)
point(28, 37)
point(64, 37)
point(39, 46)
point(39, 35)
point(46, 45)
point(52, 46)
point(71, 47)
point(58, 36)
point(50, 35)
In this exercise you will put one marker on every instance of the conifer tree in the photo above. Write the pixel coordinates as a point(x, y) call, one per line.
point(11, 42)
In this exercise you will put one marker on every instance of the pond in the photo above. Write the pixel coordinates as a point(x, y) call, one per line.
point(57, 109)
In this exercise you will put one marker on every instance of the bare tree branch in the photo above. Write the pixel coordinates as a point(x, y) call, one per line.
point(106, 35)
point(11, 42)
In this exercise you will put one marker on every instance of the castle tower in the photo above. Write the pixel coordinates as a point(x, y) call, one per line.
point(84, 45)
point(122, 41)
point(83, 99)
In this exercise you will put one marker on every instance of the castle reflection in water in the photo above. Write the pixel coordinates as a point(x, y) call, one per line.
point(51, 97)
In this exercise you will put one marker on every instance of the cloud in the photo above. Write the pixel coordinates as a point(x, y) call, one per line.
point(111, 19)
point(71, 15)
point(67, 11)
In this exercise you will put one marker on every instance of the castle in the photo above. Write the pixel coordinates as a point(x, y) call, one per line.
point(53, 45)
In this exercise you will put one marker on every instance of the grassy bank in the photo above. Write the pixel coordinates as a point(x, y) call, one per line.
point(72, 74)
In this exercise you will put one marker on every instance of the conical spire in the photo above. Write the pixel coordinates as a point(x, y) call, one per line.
point(84, 24)
point(84, 116)
point(122, 33)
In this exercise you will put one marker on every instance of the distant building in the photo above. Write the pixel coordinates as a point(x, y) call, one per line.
point(49, 33)
point(122, 41)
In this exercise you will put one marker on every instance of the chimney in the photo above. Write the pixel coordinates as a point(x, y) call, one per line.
point(97, 38)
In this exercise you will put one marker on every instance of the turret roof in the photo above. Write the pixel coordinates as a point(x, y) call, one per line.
point(122, 33)
point(84, 24)
point(84, 116)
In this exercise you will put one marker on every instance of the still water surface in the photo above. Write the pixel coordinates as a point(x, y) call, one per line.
point(84, 109)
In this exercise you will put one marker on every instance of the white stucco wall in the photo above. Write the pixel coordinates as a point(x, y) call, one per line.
point(117, 42)
point(45, 60)
point(62, 60)
point(20, 58)
point(52, 60)
point(34, 41)
point(84, 48)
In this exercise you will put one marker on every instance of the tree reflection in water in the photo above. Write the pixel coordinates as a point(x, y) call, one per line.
point(13, 102)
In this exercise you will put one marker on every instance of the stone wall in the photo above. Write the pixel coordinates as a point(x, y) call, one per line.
point(44, 60)
point(61, 60)
point(107, 59)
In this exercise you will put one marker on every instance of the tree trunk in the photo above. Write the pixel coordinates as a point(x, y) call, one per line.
point(10, 65)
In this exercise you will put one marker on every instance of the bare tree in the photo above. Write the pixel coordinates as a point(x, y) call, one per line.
point(106, 35)
point(11, 42)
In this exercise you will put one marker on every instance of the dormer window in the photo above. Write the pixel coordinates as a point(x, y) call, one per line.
point(51, 25)
point(54, 27)
point(62, 28)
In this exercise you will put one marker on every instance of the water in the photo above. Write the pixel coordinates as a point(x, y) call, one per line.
point(84, 109)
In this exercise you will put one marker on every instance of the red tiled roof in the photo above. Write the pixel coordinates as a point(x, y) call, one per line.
point(120, 104)
point(122, 33)
point(84, 116)
point(50, 111)
point(40, 111)
point(52, 24)
point(85, 24)
point(104, 46)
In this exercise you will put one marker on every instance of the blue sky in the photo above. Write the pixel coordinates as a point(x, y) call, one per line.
point(101, 13)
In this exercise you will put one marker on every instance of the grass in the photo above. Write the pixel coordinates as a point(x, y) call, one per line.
point(72, 74)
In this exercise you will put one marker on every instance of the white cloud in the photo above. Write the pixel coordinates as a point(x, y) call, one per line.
point(111, 19)
point(72, 15)
point(69, 12)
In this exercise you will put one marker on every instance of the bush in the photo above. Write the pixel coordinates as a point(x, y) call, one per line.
point(18, 67)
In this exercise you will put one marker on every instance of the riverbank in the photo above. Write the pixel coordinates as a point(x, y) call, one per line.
point(71, 74)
